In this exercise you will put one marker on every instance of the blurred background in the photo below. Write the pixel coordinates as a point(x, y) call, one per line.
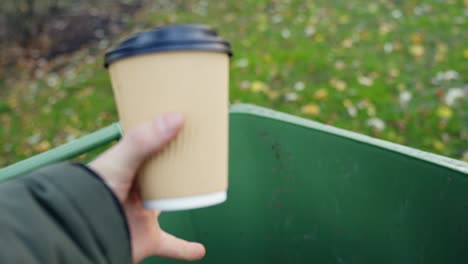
point(392, 69)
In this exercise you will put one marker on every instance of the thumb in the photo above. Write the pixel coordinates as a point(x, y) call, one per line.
point(146, 139)
point(119, 163)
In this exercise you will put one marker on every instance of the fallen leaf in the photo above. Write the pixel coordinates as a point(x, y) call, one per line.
point(352, 111)
point(321, 94)
point(85, 92)
point(376, 123)
point(319, 37)
point(285, 33)
point(394, 72)
point(417, 50)
point(42, 146)
point(311, 109)
point(442, 47)
point(13, 101)
point(364, 35)
point(241, 63)
point(309, 31)
point(386, 28)
point(444, 112)
point(397, 45)
point(245, 84)
point(299, 86)
point(404, 97)
point(271, 94)
point(439, 57)
point(364, 80)
point(371, 111)
point(343, 19)
point(453, 95)
point(347, 103)
point(258, 86)
point(437, 144)
point(388, 47)
point(417, 38)
point(292, 96)
point(340, 65)
point(347, 43)
point(339, 85)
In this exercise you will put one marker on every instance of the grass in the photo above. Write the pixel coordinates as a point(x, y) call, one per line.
point(383, 68)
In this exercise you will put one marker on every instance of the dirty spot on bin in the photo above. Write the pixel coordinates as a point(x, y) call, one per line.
point(276, 148)
point(263, 134)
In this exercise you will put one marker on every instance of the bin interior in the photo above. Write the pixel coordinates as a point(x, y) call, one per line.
point(303, 192)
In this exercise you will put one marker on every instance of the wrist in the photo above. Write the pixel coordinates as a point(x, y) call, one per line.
point(120, 191)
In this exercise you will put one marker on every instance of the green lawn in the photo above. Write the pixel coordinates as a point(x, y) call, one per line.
point(396, 70)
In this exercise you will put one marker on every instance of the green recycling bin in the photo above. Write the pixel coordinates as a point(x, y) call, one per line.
point(304, 192)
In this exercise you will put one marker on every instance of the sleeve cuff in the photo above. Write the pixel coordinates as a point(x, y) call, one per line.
point(96, 203)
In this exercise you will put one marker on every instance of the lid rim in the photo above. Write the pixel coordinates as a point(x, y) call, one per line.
point(169, 38)
point(112, 57)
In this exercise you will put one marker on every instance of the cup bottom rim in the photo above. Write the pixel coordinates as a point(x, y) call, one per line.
point(185, 203)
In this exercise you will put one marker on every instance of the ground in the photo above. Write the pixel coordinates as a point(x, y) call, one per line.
point(396, 70)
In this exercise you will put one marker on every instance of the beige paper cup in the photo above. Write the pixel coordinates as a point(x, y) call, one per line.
point(177, 69)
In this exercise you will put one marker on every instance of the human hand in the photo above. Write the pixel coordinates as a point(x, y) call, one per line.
point(118, 167)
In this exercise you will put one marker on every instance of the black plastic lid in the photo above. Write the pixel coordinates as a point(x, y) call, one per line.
point(169, 38)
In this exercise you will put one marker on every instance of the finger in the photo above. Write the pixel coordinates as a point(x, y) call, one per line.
point(144, 140)
point(174, 247)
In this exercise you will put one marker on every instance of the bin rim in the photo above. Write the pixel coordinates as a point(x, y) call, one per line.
point(443, 161)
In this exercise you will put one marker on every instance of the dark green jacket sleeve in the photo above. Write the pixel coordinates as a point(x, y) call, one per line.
point(62, 213)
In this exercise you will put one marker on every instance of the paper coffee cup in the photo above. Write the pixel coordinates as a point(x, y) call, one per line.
point(181, 69)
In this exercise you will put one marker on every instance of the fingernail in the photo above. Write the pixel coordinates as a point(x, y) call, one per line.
point(170, 122)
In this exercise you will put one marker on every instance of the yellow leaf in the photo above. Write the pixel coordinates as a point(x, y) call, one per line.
point(74, 119)
point(440, 57)
point(394, 72)
point(442, 47)
point(347, 43)
point(417, 50)
point(258, 86)
point(465, 53)
point(347, 103)
point(340, 65)
point(364, 35)
point(319, 37)
point(272, 94)
point(42, 146)
point(371, 111)
point(85, 92)
point(5, 120)
point(339, 85)
point(438, 145)
point(397, 45)
point(321, 94)
point(444, 112)
point(12, 101)
point(343, 19)
point(385, 28)
point(311, 109)
point(417, 38)
point(262, 21)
